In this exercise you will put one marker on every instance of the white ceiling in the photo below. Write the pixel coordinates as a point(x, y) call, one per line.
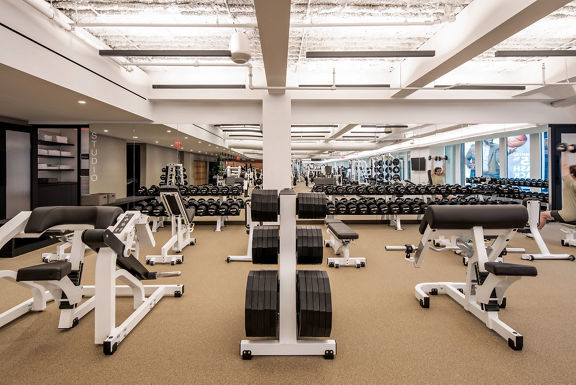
point(29, 98)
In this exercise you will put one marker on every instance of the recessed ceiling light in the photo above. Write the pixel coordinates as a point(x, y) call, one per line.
point(134, 137)
point(171, 145)
point(185, 137)
point(105, 130)
point(209, 145)
point(156, 142)
point(81, 101)
point(199, 141)
point(168, 131)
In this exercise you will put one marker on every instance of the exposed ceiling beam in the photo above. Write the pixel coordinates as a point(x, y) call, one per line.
point(480, 26)
point(339, 132)
point(274, 28)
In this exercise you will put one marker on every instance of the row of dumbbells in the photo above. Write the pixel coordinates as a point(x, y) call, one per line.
point(203, 207)
point(373, 206)
point(403, 189)
point(509, 181)
point(517, 193)
point(204, 190)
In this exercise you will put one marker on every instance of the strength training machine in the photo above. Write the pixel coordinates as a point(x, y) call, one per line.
point(181, 224)
point(486, 279)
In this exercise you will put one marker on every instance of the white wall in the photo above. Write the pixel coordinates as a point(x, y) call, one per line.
point(156, 158)
point(107, 165)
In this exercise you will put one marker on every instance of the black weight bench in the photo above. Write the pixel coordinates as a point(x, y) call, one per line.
point(54, 271)
point(341, 236)
point(487, 280)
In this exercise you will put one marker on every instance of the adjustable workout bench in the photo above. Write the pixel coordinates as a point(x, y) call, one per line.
point(341, 236)
point(486, 280)
point(533, 207)
point(181, 224)
point(59, 281)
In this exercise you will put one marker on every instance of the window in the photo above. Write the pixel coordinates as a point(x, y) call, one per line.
point(491, 158)
point(469, 159)
point(518, 151)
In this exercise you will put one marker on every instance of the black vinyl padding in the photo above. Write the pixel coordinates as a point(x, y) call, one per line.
point(54, 271)
point(190, 211)
point(43, 218)
point(342, 230)
point(510, 269)
point(466, 217)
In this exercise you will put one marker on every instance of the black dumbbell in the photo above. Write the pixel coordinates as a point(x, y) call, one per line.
point(341, 207)
point(351, 207)
point(153, 190)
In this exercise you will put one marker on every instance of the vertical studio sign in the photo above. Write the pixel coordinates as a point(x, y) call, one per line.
point(93, 156)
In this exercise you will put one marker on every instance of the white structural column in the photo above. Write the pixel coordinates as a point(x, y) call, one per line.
point(503, 157)
point(276, 152)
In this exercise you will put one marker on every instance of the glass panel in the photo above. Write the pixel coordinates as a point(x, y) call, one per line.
point(491, 158)
point(518, 150)
point(470, 160)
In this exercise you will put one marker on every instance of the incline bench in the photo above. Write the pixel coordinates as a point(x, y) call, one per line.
point(486, 279)
point(341, 235)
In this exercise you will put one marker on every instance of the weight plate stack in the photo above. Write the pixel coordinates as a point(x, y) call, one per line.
point(265, 245)
point(265, 205)
point(309, 245)
point(313, 303)
point(311, 205)
point(262, 304)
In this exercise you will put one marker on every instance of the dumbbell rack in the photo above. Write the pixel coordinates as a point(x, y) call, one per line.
point(287, 343)
point(175, 175)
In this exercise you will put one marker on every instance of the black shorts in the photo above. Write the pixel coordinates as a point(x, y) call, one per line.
point(556, 216)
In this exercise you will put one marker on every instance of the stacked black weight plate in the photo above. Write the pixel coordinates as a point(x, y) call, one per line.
point(265, 205)
point(311, 205)
point(309, 245)
point(313, 303)
point(262, 303)
point(265, 245)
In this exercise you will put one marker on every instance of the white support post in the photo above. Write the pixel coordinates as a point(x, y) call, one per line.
point(287, 268)
point(503, 158)
point(276, 146)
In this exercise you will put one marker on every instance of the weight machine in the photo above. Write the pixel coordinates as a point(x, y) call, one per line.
point(113, 247)
point(58, 281)
point(533, 207)
point(482, 294)
point(181, 224)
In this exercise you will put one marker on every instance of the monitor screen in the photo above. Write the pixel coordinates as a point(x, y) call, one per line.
point(418, 164)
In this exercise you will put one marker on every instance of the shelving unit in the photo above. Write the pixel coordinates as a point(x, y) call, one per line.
point(57, 185)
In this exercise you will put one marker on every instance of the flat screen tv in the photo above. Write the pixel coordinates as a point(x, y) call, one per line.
point(418, 164)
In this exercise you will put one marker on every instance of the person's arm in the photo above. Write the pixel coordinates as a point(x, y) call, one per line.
point(432, 164)
point(565, 167)
point(444, 166)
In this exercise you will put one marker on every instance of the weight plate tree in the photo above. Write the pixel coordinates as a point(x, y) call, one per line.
point(288, 304)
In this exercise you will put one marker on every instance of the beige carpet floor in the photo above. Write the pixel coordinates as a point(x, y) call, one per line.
point(383, 335)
